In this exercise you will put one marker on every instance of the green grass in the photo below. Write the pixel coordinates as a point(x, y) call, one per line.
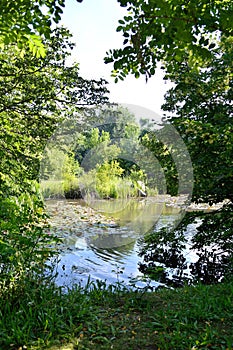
point(115, 188)
point(52, 189)
point(43, 317)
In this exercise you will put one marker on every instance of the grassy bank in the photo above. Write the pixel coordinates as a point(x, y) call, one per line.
point(190, 318)
point(115, 187)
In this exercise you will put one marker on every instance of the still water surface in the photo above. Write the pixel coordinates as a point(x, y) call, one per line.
point(101, 239)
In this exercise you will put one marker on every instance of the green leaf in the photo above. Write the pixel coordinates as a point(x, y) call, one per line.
point(119, 28)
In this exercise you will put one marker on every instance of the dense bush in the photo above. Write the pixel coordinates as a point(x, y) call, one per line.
point(26, 244)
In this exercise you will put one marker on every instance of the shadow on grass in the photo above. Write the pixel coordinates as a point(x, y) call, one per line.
point(101, 317)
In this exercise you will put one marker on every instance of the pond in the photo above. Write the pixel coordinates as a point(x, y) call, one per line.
point(101, 238)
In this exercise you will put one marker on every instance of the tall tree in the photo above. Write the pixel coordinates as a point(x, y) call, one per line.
point(35, 95)
point(200, 107)
point(202, 104)
point(193, 42)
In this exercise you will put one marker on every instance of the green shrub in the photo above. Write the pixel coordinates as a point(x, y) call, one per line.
point(25, 243)
point(71, 187)
point(107, 177)
point(52, 189)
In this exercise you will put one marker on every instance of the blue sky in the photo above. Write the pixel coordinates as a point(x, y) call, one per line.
point(93, 24)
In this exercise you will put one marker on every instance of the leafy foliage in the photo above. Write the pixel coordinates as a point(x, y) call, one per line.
point(35, 95)
point(193, 43)
point(27, 23)
point(163, 153)
point(171, 32)
point(25, 244)
point(202, 104)
point(93, 162)
point(94, 147)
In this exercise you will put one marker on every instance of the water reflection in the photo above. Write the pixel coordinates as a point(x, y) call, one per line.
point(137, 215)
point(106, 249)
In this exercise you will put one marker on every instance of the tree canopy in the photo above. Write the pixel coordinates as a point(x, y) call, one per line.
point(200, 107)
point(192, 41)
point(36, 94)
point(169, 32)
point(29, 22)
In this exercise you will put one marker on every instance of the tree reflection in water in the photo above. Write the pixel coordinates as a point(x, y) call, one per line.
point(164, 250)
